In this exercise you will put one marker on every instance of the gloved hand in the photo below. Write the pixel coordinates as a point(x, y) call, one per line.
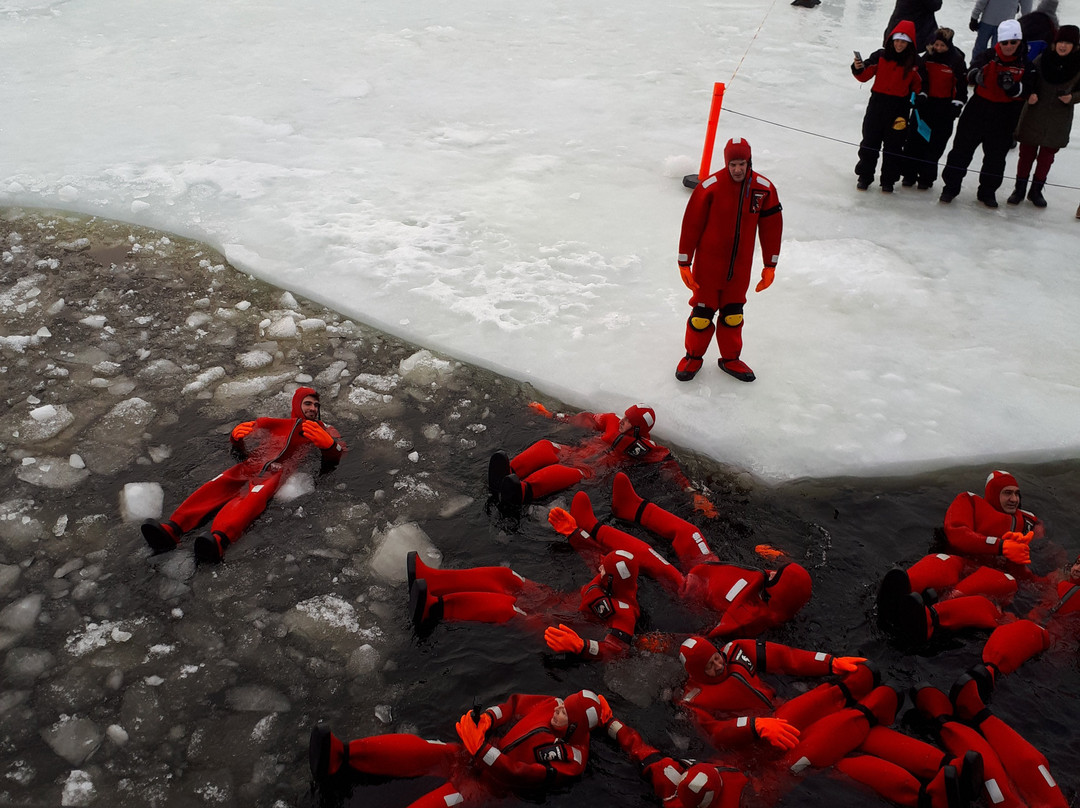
point(957, 108)
point(540, 409)
point(688, 278)
point(315, 433)
point(973, 24)
point(768, 553)
point(1007, 81)
point(778, 732)
point(472, 732)
point(241, 431)
point(980, 77)
point(845, 664)
point(563, 639)
point(1014, 546)
point(703, 506)
point(767, 276)
point(605, 711)
point(562, 521)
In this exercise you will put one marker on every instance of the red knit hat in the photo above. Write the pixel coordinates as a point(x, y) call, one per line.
point(994, 483)
point(642, 417)
point(736, 149)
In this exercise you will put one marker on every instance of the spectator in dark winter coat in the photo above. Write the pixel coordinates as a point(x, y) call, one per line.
point(921, 14)
point(938, 105)
point(987, 15)
point(1045, 123)
point(894, 70)
point(1040, 27)
point(1003, 79)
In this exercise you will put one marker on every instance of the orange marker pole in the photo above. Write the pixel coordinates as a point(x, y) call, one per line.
point(710, 133)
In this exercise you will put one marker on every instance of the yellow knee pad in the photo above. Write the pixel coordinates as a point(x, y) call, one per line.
point(733, 320)
point(700, 323)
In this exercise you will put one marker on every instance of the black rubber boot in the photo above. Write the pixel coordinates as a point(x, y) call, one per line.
point(1035, 194)
point(498, 470)
point(1017, 196)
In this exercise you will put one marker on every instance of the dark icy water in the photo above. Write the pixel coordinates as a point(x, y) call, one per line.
point(127, 355)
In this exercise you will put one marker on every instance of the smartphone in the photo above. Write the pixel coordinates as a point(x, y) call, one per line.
point(858, 56)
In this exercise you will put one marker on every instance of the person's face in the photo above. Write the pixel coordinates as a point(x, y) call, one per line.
point(309, 408)
point(1073, 571)
point(1063, 48)
point(737, 169)
point(939, 47)
point(560, 719)
point(900, 45)
point(1010, 499)
point(1009, 46)
point(625, 425)
point(716, 665)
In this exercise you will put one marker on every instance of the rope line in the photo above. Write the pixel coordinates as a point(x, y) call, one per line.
point(856, 145)
point(753, 39)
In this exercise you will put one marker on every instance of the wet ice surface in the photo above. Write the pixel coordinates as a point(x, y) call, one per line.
point(126, 356)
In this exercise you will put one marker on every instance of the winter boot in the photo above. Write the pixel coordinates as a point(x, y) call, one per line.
point(864, 183)
point(734, 367)
point(582, 511)
point(948, 195)
point(1017, 196)
point(887, 187)
point(688, 367)
point(211, 548)
point(894, 587)
point(514, 494)
point(907, 182)
point(1035, 194)
point(498, 470)
point(415, 569)
point(625, 502)
point(327, 754)
point(424, 610)
point(987, 198)
point(914, 620)
point(161, 536)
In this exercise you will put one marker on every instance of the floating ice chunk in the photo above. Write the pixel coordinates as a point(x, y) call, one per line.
point(282, 328)
point(328, 620)
point(159, 369)
point(423, 368)
point(335, 371)
point(95, 636)
point(388, 560)
point(249, 388)
point(60, 527)
point(204, 380)
point(298, 485)
point(73, 739)
point(9, 574)
point(364, 661)
point(52, 472)
point(287, 301)
point(94, 321)
point(139, 501)
point(414, 457)
point(45, 422)
point(43, 333)
point(198, 319)
point(243, 305)
point(22, 615)
point(76, 462)
point(107, 368)
point(117, 734)
point(312, 324)
point(384, 713)
point(256, 699)
point(23, 666)
point(78, 789)
point(255, 359)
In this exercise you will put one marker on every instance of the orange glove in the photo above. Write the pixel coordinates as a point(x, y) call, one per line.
point(768, 274)
point(605, 711)
point(845, 664)
point(768, 552)
point(563, 639)
point(314, 432)
point(1014, 546)
point(688, 278)
point(241, 431)
point(540, 409)
point(778, 732)
point(703, 506)
point(472, 732)
point(562, 521)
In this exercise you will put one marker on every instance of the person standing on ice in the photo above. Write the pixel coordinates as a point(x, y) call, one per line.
point(272, 448)
point(716, 251)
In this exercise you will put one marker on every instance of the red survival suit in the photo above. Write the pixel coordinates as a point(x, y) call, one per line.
point(274, 449)
point(498, 594)
point(716, 245)
point(547, 467)
point(749, 600)
point(975, 524)
point(521, 753)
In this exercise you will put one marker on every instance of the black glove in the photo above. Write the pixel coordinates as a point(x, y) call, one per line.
point(1006, 82)
point(979, 77)
point(973, 24)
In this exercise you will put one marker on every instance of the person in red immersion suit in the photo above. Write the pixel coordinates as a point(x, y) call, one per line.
point(499, 595)
point(523, 746)
point(273, 448)
point(547, 467)
point(944, 591)
point(748, 600)
point(716, 253)
point(687, 783)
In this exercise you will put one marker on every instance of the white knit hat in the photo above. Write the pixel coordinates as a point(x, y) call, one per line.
point(1009, 29)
